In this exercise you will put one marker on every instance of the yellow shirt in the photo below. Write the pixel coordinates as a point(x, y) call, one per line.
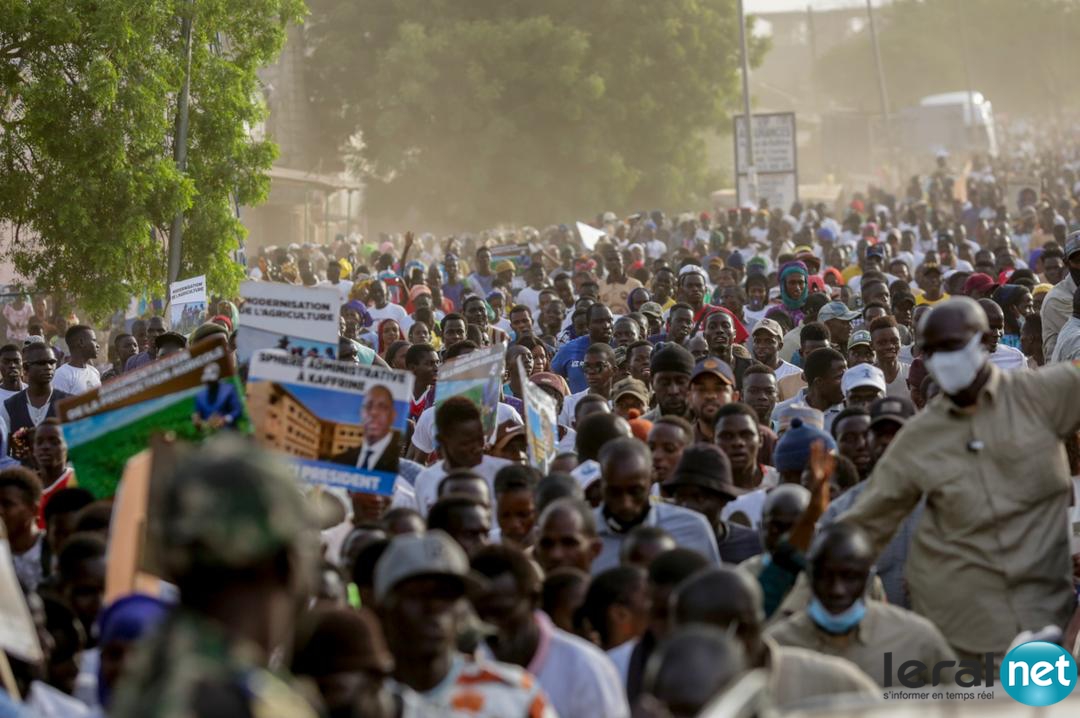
point(850, 271)
point(921, 299)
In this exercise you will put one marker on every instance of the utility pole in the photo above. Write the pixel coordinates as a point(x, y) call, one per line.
point(812, 36)
point(751, 171)
point(883, 93)
point(971, 133)
point(176, 234)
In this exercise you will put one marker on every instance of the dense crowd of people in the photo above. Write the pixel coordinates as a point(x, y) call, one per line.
point(790, 441)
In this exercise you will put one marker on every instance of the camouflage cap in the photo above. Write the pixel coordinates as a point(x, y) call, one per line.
point(228, 505)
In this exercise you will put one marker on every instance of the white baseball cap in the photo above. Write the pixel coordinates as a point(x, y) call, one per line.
point(863, 375)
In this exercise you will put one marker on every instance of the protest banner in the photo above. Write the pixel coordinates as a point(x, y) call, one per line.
point(191, 394)
point(302, 321)
point(18, 636)
point(519, 254)
point(541, 428)
point(343, 424)
point(477, 375)
point(187, 304)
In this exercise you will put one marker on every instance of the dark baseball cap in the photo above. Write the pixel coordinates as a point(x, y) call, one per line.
point(672, 357)
point(705, 466)
point(717, 367)
point(896, 409)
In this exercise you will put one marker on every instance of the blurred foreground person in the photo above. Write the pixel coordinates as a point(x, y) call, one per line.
point(690, 668)
point(234, 534)
point(420, 586)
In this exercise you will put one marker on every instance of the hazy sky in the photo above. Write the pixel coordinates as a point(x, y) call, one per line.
point(766, 6)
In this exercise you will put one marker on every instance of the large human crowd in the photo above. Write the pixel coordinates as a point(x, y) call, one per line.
point(791, 442)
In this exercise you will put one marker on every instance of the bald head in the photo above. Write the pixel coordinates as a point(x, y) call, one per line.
point(841, 540)
point(840, 562)
point(790, 498)
point(692, 667)
point(783, 507)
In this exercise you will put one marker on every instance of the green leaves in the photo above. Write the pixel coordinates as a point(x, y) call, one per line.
point(523, 111)
point(87, 109)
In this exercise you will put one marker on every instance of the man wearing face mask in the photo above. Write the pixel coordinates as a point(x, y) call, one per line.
point(1057, 307)
point(991, 556)
point(840, 621)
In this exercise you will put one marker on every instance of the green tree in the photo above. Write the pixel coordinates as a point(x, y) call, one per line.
point(1020, 55)
point(88, 95)
point(463, 114)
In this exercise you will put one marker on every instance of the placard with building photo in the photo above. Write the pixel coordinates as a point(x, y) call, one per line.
point(343, 424)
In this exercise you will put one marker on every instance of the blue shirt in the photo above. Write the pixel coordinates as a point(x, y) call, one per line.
point(569, 363)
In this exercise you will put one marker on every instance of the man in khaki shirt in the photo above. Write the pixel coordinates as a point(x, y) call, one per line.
point(839, 622)
point(990, 557)
point(726, 597)
point(615, 291)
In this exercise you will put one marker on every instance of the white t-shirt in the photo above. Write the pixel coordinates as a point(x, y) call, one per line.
point(654, 249)
point(423, 437)
point(428, 480)
point(530, 298)
point(569, 406)
point(786, 369)
point(390, 311)
point(750, 317)
point(750, 504)
point(1008, 358)
point(620, 654)
point(6, 394)
point(344, 286)
point(73, 380)
point(578, 678)
point(18, 321)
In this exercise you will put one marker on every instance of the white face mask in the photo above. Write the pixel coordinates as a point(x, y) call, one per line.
point(955, 371)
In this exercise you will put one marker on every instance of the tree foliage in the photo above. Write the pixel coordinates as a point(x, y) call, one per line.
point(463, 114)
point(88, 95)
point(1021, 55)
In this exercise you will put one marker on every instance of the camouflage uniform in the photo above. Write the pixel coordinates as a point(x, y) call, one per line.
point(227, 507)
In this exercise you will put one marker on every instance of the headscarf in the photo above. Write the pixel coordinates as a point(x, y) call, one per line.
point(794, 303)
point(415, 292)
point(356, 305)
point(1041, 289)
point(127, 619)
point(381, 349)
point(835, 274)
point(741, 334)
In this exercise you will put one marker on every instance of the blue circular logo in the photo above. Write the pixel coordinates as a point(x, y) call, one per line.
point(1038, 673)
